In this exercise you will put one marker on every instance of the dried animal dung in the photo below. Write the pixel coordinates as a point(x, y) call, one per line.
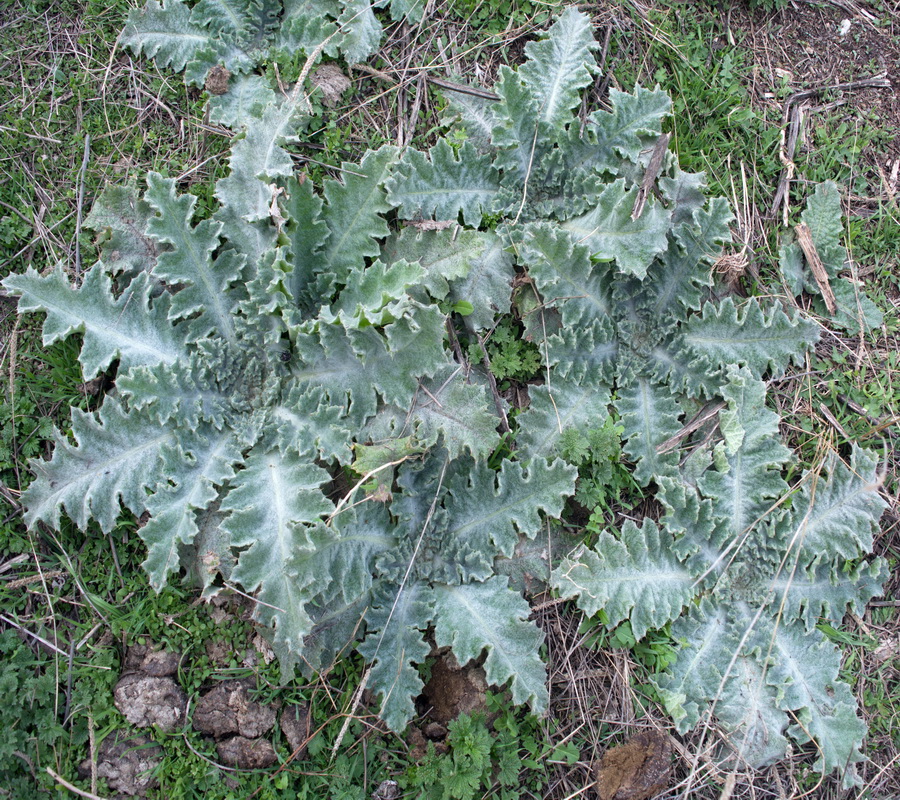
point(331, 82)
point(238, 751)
point(145, 700)
point(295, 727)
point(151, 660)
point(228, 709)
point(126, 763)
point(217, 80)
point(636, 770)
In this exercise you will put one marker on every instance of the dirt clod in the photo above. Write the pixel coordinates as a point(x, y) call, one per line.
point(217, 80)
point(331, 82)
point(636, 770)
point(228, 709)
point(454, 690)
point(147, 700)
point(152, 661)
point(387, 790)
point(126, 763)
point(419, 745)
point(238, 751)
point(295, 727)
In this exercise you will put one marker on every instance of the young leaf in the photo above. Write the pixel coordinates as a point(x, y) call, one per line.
point(559, 67)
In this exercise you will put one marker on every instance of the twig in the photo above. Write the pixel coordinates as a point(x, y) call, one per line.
point(454, 344)
point(80, 203)
point(92, 741)
point(793, 114)
point(832, 420)
point(696, 423)
point(234, 589)
point(463, 89)
point(875, 82)
point(786, 155)
point(808, 246)
point(65, 784)
point(492, 382)
point(40, 639)
point(344, 500)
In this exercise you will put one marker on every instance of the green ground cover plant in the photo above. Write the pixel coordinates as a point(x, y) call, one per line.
point(330, 383)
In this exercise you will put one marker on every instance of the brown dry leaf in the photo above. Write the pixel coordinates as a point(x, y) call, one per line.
point(636, 770)
point(331, 82)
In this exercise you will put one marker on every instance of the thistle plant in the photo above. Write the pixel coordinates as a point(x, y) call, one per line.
point(295, 412)
point(226, 45)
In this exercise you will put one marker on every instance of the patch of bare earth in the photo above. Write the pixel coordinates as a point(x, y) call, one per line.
point(841, 57)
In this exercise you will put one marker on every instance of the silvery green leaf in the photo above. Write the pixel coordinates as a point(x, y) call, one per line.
point(115, 458)
point(127, 327)
point(558, 67)
point(355, 213)
point(564, 274)
point(120, 218)
point(444, 185)
point(634, 119)
point(636, 576)
point(555, 408)
point(447, 255)
point(487, 285)
point(245, 99)
point(824, 592)
point(449, 408)
point(487, 509)
point(258, 159)
point(273, 503)
point(609, 232)
point(488, 616)
point(395, 645)
point(745, 492)
point(204, 295)
point(361, 30)
point(765, 340)
point(198, 471)
point(650, 416)
point(168, 34)
point(835, 513)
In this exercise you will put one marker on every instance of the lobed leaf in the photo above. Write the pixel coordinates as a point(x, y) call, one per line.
point(609, 232)
point(126, 327)
point(394, 646)
point(444, 185)
point(120, 218)
point(487, 509)
point(489, 616)
point(636, 577)
point(558, 67)
point(115, 458)
point(763, 340)
point(194, 473)
point(650, 416)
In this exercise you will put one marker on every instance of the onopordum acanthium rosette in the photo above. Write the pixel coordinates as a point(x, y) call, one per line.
point(303, 340)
